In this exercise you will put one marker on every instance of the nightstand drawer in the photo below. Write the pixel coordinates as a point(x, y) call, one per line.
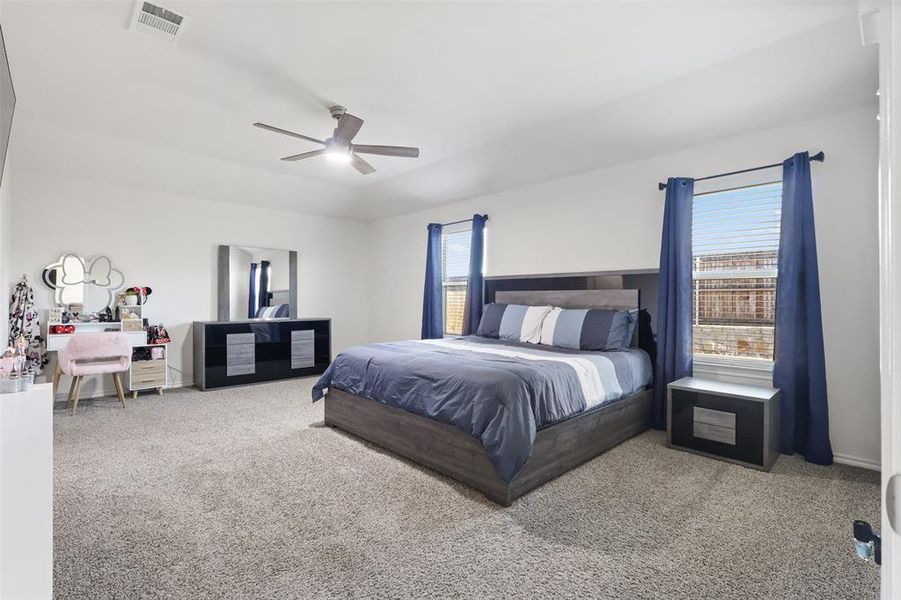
point(724, 435)
point(148, 368)
point(139, 382)
point(720, 418)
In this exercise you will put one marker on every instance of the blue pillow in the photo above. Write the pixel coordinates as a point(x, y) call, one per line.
point(588, 329)
point(630, 333)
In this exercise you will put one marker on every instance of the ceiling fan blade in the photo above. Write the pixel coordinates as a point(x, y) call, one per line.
point(361, 165)
point(304, 155)
point(286, 132)
point(348, 126)
point(404, 151)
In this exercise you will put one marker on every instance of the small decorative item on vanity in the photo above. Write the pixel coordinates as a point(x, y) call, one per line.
point(9, 379)
point(157, 334)
point(7, 368)
point(8, 384)
point(131, 297)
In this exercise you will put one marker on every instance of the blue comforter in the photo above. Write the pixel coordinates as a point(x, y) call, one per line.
point(497, 391)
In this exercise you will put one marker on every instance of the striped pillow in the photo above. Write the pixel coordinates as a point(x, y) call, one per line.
point(279, 311)
point(587, 329)
point(515, 322)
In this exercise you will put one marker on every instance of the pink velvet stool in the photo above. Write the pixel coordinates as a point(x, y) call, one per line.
point(93, 354)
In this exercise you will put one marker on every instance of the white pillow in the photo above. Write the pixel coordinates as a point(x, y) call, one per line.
point(532, 324)
point(548, 326)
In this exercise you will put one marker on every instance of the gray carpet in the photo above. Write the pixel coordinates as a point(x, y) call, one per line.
point(245, 494)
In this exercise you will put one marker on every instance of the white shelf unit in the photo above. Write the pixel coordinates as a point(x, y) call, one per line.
point(150, 374)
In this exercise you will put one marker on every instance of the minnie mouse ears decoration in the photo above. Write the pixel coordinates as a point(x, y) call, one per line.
point(142, 292)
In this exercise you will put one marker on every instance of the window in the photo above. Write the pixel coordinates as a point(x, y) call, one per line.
point(455, 246)
point(735, 244)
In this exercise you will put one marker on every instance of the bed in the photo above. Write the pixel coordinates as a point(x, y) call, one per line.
point(501, 417)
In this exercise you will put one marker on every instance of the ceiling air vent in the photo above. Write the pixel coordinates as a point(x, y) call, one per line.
point(158, 22)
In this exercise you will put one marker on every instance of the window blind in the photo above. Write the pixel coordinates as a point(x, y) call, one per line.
point(455, 249)
point(735, 245)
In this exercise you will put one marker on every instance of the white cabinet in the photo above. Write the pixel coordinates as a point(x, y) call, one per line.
point(26, 493)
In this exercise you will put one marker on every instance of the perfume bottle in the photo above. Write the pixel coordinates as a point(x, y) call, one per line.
point(26, 381)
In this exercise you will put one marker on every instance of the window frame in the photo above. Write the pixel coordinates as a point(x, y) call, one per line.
point(740, 367)
point(462, 227)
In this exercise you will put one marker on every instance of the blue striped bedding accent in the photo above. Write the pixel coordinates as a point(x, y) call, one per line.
point(498, 391)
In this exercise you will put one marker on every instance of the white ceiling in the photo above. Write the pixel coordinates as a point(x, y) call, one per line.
point(496, 94)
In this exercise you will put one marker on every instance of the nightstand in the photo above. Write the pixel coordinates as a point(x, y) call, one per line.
point(728, 421)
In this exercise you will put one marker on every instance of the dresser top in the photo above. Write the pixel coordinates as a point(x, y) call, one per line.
point(279, 320)
point(723, 388)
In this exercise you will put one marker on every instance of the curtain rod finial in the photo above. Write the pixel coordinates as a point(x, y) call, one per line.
point(819, 156)
point(661, 186)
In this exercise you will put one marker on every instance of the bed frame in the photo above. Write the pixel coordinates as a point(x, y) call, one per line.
point(450, 451)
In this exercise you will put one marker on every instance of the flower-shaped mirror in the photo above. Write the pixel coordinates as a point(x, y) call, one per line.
point(89, 281)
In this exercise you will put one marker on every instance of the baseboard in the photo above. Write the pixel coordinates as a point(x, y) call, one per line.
point(853, 461)
point(62, 395)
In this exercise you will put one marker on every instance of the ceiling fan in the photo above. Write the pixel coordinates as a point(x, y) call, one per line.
point(339, 148)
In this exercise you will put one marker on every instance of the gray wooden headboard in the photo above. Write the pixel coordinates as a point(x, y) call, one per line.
point(609, 299)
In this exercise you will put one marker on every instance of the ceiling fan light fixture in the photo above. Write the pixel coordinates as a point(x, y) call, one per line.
point(340, 147)
point(338, 155)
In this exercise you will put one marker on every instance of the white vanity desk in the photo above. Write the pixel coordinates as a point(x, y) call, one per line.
point(58, 341)
point(143, 374)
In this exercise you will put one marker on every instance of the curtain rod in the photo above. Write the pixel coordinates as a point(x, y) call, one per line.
point(819, 156)
point(460, 221)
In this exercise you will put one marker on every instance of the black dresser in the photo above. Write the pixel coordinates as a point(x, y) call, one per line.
point(737, 423)
point(256, 350)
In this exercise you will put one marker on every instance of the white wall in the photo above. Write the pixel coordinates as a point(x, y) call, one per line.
point(169, 243)
point(611, 219)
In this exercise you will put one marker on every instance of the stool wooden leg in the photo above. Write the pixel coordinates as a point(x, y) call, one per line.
point(74, 391)
point(119, 391)
point(56, 375)
point(71, 393)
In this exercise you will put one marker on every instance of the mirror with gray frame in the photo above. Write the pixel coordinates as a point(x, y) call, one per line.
point(257, 283)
